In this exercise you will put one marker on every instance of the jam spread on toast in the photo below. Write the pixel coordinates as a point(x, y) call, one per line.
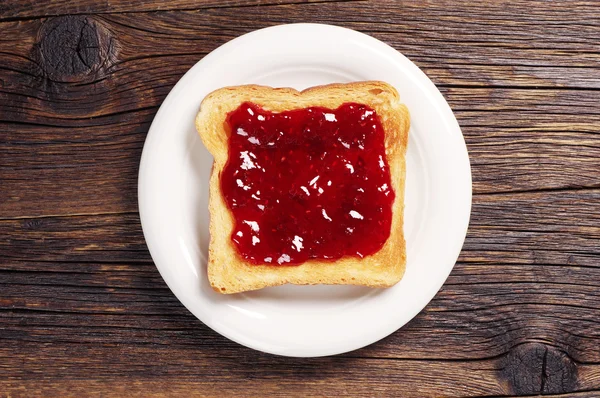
point(310, 183)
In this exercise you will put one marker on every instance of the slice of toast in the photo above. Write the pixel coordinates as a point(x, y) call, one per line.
point(228, 272)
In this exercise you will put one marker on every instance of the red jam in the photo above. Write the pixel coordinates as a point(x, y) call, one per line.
point(310, 183)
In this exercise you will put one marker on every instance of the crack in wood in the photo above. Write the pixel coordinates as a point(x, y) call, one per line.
point(544, 373)
point(518, 192)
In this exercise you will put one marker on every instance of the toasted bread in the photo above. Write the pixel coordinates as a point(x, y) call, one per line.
point(228, 272)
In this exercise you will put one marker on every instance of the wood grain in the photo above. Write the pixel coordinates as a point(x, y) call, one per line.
point(83, 308)
point(31, 9)
point(249, 374)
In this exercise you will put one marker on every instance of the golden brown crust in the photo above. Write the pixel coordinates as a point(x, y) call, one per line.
point(227, 271)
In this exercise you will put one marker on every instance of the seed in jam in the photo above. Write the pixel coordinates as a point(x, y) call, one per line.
point(311, 183)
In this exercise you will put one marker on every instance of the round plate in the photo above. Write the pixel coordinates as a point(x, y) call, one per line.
point(304, 320)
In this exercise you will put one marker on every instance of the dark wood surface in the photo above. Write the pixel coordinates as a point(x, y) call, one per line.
point(83, 310)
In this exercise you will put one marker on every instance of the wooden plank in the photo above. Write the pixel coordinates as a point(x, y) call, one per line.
point(163, 371)
point(494, 315)
point(529, 228)
point(526, 140)
point(81, 170)
point(535, 228)
point(192, 388)
point(31, 9)
point(583, 394)
point(90, 238)
point(477, 50)
point(526, 145)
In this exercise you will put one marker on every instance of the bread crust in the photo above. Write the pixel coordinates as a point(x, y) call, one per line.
point(228, 272)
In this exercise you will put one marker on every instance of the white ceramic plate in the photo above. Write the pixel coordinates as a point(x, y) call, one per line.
point(304, 320)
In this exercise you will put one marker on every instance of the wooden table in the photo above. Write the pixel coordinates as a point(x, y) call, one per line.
point(83, 310)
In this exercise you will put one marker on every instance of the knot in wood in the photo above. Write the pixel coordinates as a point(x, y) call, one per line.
point(535, 368)
point(72, 48)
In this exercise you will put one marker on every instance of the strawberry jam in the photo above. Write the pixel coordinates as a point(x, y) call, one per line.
point(310, 183)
